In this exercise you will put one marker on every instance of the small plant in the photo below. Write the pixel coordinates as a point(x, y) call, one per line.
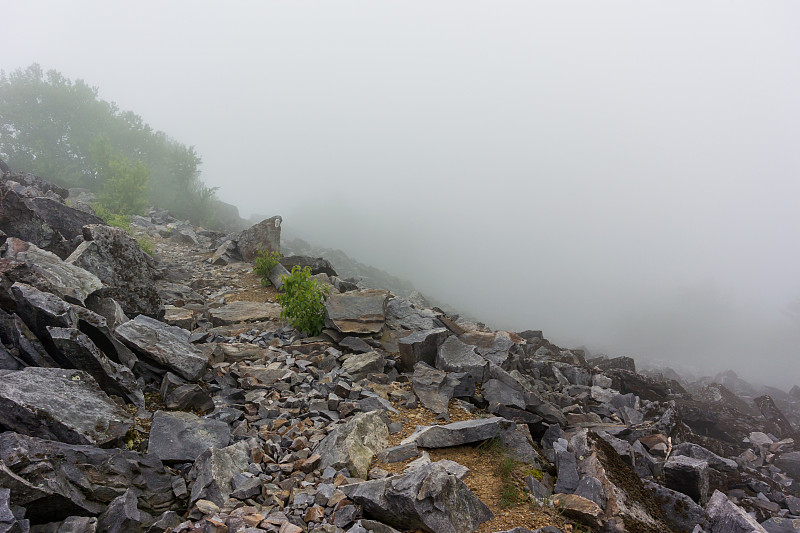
point(111, 218)
point(145, 244)
point(509, 496)
point(303, 301)
point(506, 466)
point(264, 263)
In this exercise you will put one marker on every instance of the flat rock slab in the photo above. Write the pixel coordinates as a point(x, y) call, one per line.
point(181, 437)
point(357, 311)
point(236, 312)
point(165, 345)
point(427, 498)
point(59, 404)
point(459, 433)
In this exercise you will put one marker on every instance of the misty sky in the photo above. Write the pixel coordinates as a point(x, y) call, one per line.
point(622, 175)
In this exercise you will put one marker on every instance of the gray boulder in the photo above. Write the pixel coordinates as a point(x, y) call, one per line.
point(420, 346)
point(455, 356)
point(60, 404)
point(318, 265)
point(214, 470)
point(781, 525)
point(434, 388)
point(789, 463)
point(680, 511)
point(81, 352)
point(59, 480)
point(687, 475)
point(266, 235)
point(426, 498)
point(363, 364)
point(9, 523)
point(181, 437)
point(122, 515)
point(353, 444)
point(459, 433)
point(727, 517)
point(166, 346)
point(567, 465)
point(358, 312)
point(698, 452)
point(116, 258)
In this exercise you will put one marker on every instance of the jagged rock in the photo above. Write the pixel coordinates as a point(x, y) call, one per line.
point(181, 437)
point(778, 423)
point(41, 309)
point(318, 265)
point(459, 433)
point(396, 454)
point(401, 314)
point(579, 508)
point(225, 253)
point(60, 404)
point(727, 517)
point(109, 309)
point(698, 452)
point(266, 236)
point(781, 525)
point(164, 345)
point(353, 444)
point(363, 364)
point(567, 466)
point(116, 258)
point(21, 340)
point(81, 352)
point(359, 312)
point(789, 463)
point(182, 396)
point(420, 346)
point(183, 233)
point(177, 294)
point(622, 363)
point(355, 344)
point(455, 356)
point(9, 523)
point(59, 480)
point(122, 515)
point(3, 238)
point(493, 347)
point(680, 511)
point(236, 312)
point(426, 498)
point(214, 470)
point(687, 475)
point(66, 280)
point(434, 388)
point(590, 488)
point(180, 317)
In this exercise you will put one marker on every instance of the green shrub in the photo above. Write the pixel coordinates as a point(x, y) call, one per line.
point(145, 243)
point(303, 301)
point(264, 263)
point(112, 218)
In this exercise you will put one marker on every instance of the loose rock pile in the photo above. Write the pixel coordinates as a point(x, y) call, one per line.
point(164, 394)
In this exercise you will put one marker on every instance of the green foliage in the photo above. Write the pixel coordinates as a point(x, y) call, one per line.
point(506, 466)
point(62, 131)
point(509, 496)
point(264, 263)
point(145, 244)
point(112, 218)
point(303, 301)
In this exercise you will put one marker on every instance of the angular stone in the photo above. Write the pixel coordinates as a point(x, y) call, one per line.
point(687, 475)
point(81, 352)
point(58, 480)
point(361, 365)
point(781, 525)
point(122, 515)
point(353, 444)
point(214, 470)
point(434, 388)
point(167, 346)
point(495, 391)
point(727, 517)
point(60, 404)
point(116, 258)
point(358, 312)
point(318, 265)
point(236, 312)
point(66, 280)
point(459, 433)
point(455, 356)
point(698, 452)
point(396, 454)
point(680, 511)
point(789, 463)
point(402, 315)
point(180, 317)
point(420, 346)
point(778, 423)
point(579, 508)
point(426, 498)
point(266, 236)
point(567, 465)
point(181, 437)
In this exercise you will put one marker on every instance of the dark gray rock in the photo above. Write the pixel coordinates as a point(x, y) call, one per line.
point(277, 274)
point(318, 265)
point(9, 523)
point(698, 452)
point(355, 344)
point(181, 437)
point(420, 346)
point(687, 475)
point(434, 388)
point(225, 253)
point(164, 345)
point(237, 312)
point(60, 404)
point(116, 258)
point(81, 352)
point(41, 309)
point(122, 515)
point(353, 444)
point(459, 433)
point(402, 452)
point(455, 356)
point(361, 365)
point(358, 312)
point(781, 525)
point(777, 421)
point(168, 520)
point(266, 236)
point(426, 498)
point(567, 465)
point(181, 396)
point(58, 480)
point(214, 470)
point(589, 487)
point(496, 391)
point(680, 511)
point(401, 314)
point(789, 463)
point(537, 488)
point(727, 517)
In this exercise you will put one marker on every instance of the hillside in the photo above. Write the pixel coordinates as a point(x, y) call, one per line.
point(164, 392)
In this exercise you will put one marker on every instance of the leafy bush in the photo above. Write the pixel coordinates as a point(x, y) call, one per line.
point(264, 263)
point(303, 301)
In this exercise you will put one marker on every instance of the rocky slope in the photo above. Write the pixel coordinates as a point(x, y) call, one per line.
point(164, 393)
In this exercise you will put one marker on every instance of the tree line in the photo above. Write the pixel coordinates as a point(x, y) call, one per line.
point(61, 130)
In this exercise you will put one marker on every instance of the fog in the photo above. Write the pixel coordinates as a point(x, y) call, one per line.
point(621, 175)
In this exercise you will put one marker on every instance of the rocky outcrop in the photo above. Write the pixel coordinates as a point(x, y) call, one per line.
point(357, 312)
point(266, 236)
point(353, 445)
